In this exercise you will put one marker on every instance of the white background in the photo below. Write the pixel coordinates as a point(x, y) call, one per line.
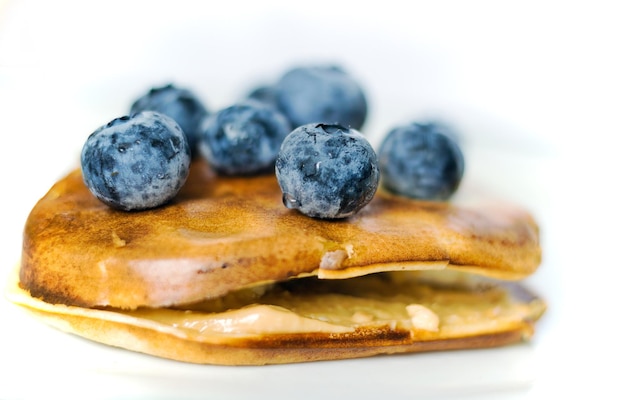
point(537, 90)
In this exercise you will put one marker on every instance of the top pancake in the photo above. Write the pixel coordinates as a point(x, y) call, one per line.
point(221, 233)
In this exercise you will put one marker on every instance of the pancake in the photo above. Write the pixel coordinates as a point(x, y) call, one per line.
point(365, 316)
point(183, 281)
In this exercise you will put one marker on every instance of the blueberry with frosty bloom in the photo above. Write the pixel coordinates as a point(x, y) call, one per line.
point(327, 171)
point(136, 162)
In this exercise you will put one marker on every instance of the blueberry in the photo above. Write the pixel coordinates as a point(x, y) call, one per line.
point(321, 94)
point(265, 94)
point(327, 171)
point(180, 104)
point(244, 138)
point(136, 162)
point(421, 161)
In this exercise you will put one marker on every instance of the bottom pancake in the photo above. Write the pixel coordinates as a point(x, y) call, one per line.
point(310, 319)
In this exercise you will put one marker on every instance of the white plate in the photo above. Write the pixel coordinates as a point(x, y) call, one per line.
point(537, 98)
point(46, 361)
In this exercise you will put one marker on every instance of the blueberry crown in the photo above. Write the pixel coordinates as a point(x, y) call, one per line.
point(332, 128)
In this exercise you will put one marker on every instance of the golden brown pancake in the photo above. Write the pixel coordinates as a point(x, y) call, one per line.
point(163, 281)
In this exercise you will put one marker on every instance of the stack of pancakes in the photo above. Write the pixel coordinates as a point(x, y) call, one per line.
point(225, 274)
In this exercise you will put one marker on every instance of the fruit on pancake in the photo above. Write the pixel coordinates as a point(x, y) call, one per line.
point(264, 93)
point(421, 161)
point(136, 162)
point(327, 171)
point(321, 94)
point(243, 138)
point(180, 104)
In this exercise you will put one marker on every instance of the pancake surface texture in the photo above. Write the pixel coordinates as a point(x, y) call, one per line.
point(220, 234)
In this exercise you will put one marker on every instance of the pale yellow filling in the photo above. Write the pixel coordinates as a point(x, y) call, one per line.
point(428, 304)
point(399, 301)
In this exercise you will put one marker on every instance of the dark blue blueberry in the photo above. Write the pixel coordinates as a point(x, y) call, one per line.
point(421, 161)
point(179, 104)
point(321, 94)
point(244, 138)
point(265, 94)
point(136, 162)
point(327, 171)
